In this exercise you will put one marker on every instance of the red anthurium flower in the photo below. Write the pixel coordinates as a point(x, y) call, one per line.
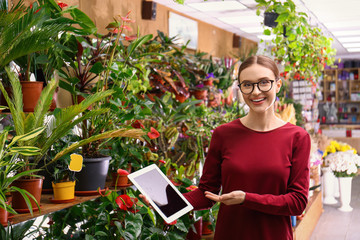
point(130, 38)
point(172, 223)
point(191, 188)
point(124, 202)
point(115, 30)
point(62, 5)
point(153, 133)
point(122, 172)
point(162, 161)
point(126, 27)
point(137, 124)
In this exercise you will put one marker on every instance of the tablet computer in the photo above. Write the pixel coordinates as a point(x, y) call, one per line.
point(163, 196)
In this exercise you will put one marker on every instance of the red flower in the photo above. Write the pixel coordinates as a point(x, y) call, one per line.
point(153, 133)
point(137, 124)
point(191, 188)
point(127, 19)
point(115, 30)
point(172, 223)
point(126, 27)
point(162, 161)
point(122, 172)
point(124, 202)
point(130, 38)
point(62, 5)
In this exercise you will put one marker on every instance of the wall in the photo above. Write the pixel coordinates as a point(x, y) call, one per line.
point(211, 39)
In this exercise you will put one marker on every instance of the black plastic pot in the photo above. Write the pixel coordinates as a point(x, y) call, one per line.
point(270, 18)
point(93, 174)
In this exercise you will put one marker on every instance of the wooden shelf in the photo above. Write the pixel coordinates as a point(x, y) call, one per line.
point(46, 206)
point(306, 226)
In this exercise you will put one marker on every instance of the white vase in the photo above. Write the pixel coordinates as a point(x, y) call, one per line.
point(345, 193)
point(336, 188)
point(328, 186)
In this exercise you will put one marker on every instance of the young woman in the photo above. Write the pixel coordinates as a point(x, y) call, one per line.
point(259, 163)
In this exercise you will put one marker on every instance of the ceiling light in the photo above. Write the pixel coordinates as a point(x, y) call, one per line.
point(349, 39)
point(242, 19)
point(253, 29)
point(351, 45)
point(353, 49)
point(346, 33)
point(266, 37)
point(217, 6)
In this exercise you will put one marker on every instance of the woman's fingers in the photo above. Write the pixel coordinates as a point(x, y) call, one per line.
point(144, 199)
point(235, 197)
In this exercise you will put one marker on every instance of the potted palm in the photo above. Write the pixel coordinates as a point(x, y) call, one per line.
point(10, 166)
point(29, 36)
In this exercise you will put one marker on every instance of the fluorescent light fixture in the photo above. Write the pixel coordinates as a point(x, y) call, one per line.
point(253, 29)
point(346, 33)
point(349, 39)
point(217, 6)
point(342, 24)
point(242, 19)
point(351, 45)
point(353, 49)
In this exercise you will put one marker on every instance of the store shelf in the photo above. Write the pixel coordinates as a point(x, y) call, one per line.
point(306, 226)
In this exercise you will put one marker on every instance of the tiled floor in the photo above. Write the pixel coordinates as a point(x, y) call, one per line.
point(336, 225)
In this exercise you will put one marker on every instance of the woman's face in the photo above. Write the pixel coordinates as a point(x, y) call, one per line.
point(259, 101)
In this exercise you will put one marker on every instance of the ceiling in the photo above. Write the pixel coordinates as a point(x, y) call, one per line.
point(339, 20)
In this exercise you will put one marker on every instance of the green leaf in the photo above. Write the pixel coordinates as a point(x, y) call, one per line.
point(84, 21)
point(267, 32)
point(97, 68)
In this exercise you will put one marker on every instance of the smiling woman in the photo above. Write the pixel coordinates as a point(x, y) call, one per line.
point(259, 161)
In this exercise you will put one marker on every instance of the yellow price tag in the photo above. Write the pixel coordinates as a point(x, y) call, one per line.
point(76, 162)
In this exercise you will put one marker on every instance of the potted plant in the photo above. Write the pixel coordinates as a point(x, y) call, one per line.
point(10, 166)
point(26, 33)
point(302, 48)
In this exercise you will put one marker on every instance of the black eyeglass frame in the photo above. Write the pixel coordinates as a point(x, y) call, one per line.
point(257, 84)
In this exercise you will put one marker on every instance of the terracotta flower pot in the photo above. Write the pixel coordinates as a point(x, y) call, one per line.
point(205, 228)
point(4, 215)
point(199, 94)
point(208, 82)
point(34, 187)
point(122, 180)
point(31, 94)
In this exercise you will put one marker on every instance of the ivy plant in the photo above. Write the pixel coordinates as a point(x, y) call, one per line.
point(303, 49)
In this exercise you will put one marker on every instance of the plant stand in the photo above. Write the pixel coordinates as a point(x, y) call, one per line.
point(345, 193)
point(328, 183)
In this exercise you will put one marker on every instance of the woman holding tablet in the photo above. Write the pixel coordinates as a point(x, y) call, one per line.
point(259, 162)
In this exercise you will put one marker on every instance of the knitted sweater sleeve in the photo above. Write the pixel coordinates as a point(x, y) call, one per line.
point(294, 201)
point(211, 177)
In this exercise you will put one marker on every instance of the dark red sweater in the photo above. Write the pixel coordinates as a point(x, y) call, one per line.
point(272, 167)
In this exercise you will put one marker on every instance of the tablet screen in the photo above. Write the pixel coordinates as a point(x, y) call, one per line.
point(162, 194)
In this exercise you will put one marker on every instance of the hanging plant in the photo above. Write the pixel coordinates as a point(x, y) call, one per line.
point(300, 47)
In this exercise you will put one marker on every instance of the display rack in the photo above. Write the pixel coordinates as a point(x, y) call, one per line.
point(341, 88)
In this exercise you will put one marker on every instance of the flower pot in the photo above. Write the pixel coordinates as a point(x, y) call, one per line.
point(122, 180)
point(34, 187)
point(64, 190)
point(199, 94)
point(31, 93)
point(208, 82)
point(345, 193)
point(197, 234)
point(4, 215)
point(180, 97)
point(206, 228)
point(328, 186)
point(270, 18)
point(93, 175)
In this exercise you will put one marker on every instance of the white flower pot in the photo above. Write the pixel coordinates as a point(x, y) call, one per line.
point(336, 188)
point(328, 186)
point(345, 193)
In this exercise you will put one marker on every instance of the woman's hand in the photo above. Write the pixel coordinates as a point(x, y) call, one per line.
point(234, 197)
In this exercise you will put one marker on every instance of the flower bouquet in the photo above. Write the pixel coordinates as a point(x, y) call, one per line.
point(344, 164)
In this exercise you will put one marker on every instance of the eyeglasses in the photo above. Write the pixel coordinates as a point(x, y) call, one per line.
point(262, 85)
